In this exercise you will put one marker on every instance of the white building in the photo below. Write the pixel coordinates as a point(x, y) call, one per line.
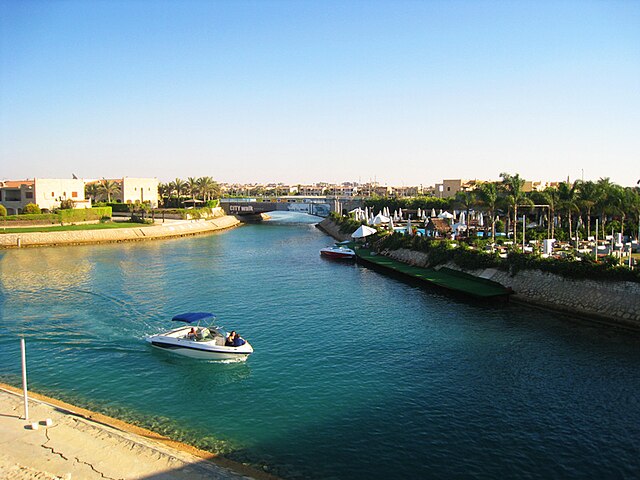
point(141, 190)
point(47, 193)
point(132, 190)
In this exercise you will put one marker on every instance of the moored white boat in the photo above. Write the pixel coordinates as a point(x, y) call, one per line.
point(196, 341)
point(338, 251)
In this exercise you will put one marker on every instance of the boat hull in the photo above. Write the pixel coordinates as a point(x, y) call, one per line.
point(338, 253)
point(200, 350)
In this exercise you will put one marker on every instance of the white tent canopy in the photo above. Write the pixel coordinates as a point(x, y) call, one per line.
point(379, 219)
point(445, 215)
point(363, 231)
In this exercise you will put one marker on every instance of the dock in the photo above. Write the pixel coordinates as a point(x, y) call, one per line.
point(445, 278)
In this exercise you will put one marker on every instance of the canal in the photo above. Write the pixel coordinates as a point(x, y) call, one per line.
point(355, 375)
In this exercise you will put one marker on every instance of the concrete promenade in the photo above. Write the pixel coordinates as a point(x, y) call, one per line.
point(168, 229)
point(82, 444)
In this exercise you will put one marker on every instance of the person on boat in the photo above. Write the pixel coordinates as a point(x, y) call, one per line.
point(192, 334)
point(238, 341)
point(230, 339)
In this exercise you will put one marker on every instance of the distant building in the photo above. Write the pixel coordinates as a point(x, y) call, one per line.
point(449, 188)
point(141, 190)
point(47, 193)
point(133, 190)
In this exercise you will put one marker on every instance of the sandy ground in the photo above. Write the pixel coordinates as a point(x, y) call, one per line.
point(83, 445)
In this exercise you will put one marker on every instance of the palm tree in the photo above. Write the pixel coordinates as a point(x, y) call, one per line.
point(549, 196)
point(512, 185)
point(92, 190)
point(587, 198)
point(164, 190)
point(108, 188)
point(568, 195)
point(178, 186)
point(208, 187)
point(489, 197)
point(192, 187)
point(465, 199)
point(603, 204)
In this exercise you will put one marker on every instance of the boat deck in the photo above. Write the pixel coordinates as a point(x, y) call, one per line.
point(445, 277)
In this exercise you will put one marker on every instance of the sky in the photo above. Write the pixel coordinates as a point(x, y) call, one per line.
point(400, 92)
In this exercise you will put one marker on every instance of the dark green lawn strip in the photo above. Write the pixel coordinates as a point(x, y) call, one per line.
point(452, 280)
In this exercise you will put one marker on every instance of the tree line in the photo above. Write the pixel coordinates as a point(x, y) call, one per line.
point(202, 189)
point(566, 210)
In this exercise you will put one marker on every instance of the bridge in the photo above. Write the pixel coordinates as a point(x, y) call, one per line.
point(319, 206)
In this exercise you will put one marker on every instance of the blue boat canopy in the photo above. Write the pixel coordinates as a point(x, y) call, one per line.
point(192, 317)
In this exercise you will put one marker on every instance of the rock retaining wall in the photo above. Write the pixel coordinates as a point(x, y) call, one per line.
point(614, 301)
point(330, 228)
point(161, 230)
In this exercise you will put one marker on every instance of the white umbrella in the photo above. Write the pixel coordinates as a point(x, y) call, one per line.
point(356, 210)
point(400, 213)
point(409, 230)
point(463, 218)
point(391, 225)
point(363, 231)
point(445, 215)
point(433, 212)
point(366, 212)
point(481, 220)
point(379, 219)
point(419, 212)
point(395, 216)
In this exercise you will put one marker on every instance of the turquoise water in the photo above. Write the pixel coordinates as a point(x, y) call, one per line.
point(355, 375)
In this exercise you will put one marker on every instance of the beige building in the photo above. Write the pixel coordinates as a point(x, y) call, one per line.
point(139, 189)
point(133, 190)
point(47, 193)
point(449, 188)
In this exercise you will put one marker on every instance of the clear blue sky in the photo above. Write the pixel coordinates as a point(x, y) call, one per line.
point(407, 92)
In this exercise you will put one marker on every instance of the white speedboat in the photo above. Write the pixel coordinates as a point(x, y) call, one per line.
point(338, 251)
point(197, 341)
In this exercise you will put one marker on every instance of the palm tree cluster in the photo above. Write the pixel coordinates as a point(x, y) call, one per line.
point(569, 206)
point(103, 190)
point(175, 193)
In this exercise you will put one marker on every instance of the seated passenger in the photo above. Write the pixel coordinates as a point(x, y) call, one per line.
point(192, 334)
point(238, 341)
point(230, 339)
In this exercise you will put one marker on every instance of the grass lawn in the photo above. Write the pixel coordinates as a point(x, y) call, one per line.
point(66, 228)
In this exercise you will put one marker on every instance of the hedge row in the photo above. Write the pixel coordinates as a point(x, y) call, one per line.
point(64, 216)
point(442, 251)
point(33, 217)
point(84, 214)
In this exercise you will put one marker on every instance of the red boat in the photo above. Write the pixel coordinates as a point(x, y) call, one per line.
point(338, 251)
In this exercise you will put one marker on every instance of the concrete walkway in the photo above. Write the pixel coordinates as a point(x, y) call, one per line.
point(169, 229)
point(85, 445)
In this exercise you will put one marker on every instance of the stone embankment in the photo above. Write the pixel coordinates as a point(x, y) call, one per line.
point(608, 300)
point(168, 229)
point(330, 228)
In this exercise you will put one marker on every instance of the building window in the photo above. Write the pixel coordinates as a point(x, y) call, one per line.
point(28, 194)
point(74, 194)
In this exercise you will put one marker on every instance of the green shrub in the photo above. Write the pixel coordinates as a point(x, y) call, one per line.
point(67, 204)
point(50, 217)
point(84, 214)
point(441, 251)
point(31, 208)
point(3, 211)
